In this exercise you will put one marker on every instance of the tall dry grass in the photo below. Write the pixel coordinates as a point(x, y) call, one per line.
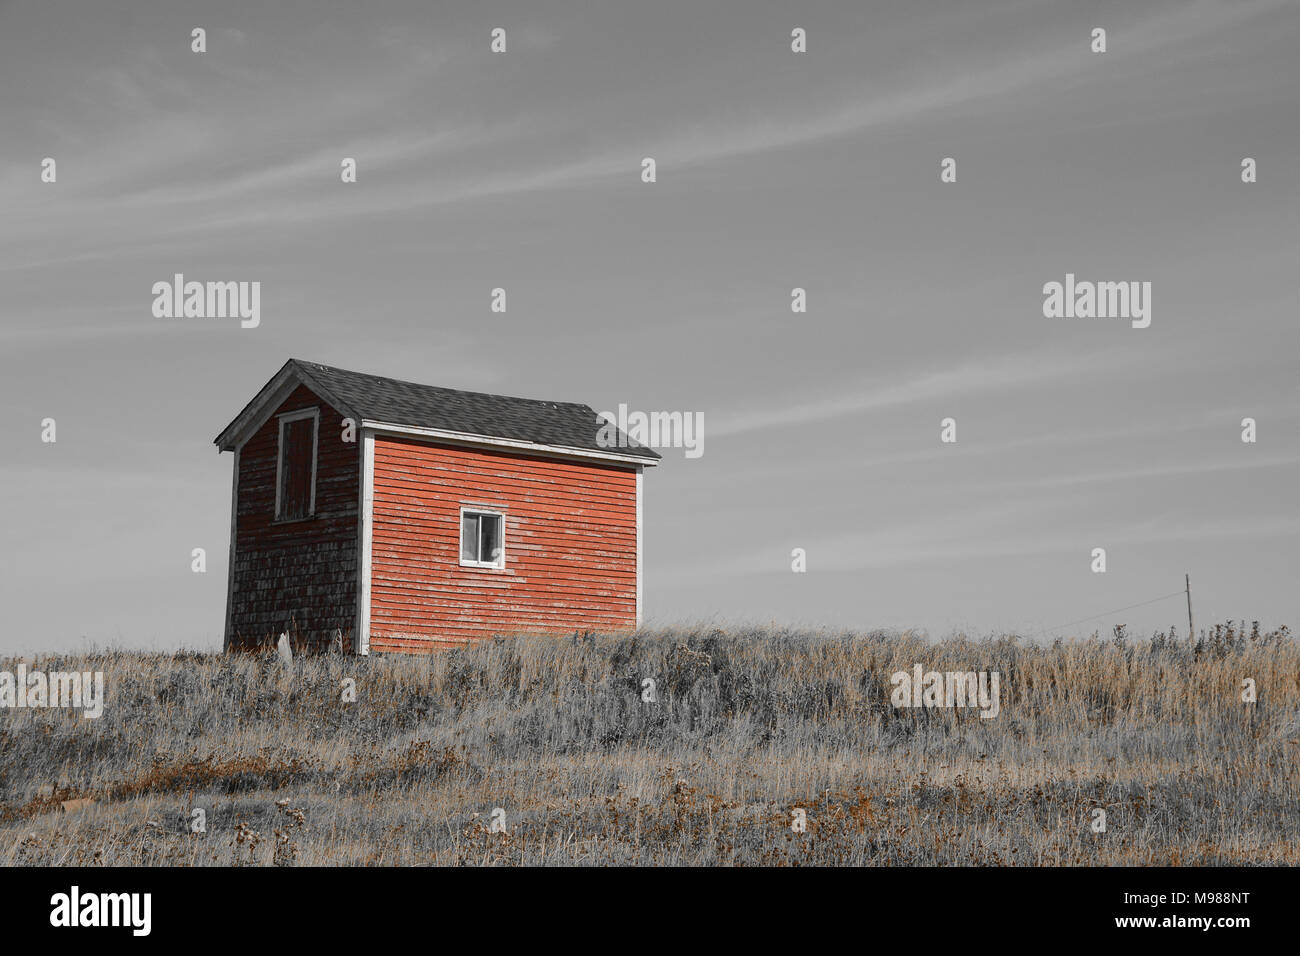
point(748, 726)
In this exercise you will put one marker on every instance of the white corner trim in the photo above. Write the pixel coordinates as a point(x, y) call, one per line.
point(230, 567)
point(465, 438)
point(314, 414)
point(640, 524)
point(365, 535)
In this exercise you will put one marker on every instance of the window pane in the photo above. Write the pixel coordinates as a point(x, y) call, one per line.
point(295, 468)
point(490, 549)
point(469, 537)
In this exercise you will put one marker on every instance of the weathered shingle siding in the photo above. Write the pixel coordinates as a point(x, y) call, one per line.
point(299, 576)
point(570, 544)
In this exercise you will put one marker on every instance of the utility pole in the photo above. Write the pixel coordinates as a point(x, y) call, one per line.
point(1191, 630)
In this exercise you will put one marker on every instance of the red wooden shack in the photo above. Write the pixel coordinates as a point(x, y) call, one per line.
point(406, 516)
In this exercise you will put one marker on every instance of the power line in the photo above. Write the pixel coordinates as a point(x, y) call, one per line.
point(1116, 611)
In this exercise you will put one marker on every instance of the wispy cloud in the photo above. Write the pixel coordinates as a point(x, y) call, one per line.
point(130, 179)
point(991, 374)
point(1246, 462)
point(968, 535)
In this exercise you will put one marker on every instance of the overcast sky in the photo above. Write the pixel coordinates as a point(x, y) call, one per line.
point(775, 170)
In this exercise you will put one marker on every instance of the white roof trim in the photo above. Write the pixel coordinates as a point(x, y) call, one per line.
point(465, 438)
point(271, 397)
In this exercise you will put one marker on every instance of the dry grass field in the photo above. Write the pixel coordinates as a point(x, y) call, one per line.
point(748, 726)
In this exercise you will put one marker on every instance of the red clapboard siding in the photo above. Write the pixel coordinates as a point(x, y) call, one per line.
point(299, 576)
point(570, 543)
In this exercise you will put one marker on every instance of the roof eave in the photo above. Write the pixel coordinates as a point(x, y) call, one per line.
point(269, 398)
point(512, 444)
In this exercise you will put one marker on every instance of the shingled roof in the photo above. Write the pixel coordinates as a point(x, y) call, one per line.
point(374, 398)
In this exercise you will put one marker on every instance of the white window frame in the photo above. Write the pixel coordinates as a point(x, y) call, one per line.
point(314, 415)
point(497, 565)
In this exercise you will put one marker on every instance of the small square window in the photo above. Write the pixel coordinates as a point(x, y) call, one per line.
point(482, 539)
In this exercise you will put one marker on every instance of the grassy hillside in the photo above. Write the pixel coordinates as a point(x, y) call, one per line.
point(748, 726)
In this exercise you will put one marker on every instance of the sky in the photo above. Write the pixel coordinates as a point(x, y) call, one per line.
point(775, 169)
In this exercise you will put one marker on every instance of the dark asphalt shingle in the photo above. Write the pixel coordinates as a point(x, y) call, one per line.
point(476, 413)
